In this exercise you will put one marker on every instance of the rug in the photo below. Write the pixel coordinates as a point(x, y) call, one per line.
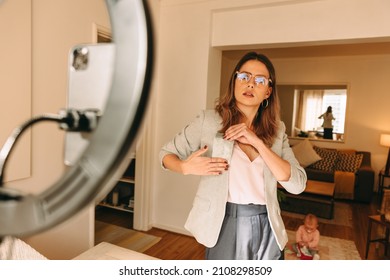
point(329, 248)
point(124, 237)
point(342, 215)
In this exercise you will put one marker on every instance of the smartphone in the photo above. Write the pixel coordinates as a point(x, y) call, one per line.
point(90, 71)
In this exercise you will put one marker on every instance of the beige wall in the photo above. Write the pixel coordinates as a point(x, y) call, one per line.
point(15, 61)
point(47, 29)
point(362, 67)
point(187, 78)
point(190, 49)
point(56, 27)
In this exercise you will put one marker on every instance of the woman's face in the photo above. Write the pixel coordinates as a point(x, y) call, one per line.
point(252, 85)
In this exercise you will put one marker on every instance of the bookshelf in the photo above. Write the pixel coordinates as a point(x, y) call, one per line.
point(121, 197)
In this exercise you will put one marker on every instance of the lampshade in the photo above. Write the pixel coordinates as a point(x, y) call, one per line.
point(385, 140)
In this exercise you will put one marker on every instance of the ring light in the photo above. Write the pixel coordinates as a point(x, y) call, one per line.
point(106, 157)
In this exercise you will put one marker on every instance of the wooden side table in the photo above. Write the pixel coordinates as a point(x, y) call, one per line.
point(378, 219)
point(317, 198)
point(381, 184)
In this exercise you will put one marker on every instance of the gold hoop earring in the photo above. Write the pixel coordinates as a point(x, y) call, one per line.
point(262, 103)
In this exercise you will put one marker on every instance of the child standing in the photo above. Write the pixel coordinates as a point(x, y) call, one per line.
point(308, 237)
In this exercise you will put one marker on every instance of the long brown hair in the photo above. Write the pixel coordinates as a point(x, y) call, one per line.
point(328, 110)
point(266, 122)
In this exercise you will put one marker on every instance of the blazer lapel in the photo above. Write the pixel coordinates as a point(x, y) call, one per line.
point(222, 148)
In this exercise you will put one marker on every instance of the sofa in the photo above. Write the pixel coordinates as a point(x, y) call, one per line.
point(350, 170)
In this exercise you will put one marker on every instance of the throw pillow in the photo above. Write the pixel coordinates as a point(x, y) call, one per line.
point(328, 161)
point(305, 154)
point(349, 162)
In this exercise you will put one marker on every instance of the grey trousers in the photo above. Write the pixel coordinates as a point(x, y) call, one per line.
point(245, 235)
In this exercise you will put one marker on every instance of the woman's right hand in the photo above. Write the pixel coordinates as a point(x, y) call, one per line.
point(196, 164)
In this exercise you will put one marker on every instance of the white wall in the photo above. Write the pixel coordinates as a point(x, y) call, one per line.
point(192, 35)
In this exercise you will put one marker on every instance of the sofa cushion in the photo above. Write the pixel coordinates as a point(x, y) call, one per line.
point(349, 162)
point(328, 161)
point(305, 153)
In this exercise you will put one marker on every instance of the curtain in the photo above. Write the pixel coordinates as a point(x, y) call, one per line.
point(311, 104)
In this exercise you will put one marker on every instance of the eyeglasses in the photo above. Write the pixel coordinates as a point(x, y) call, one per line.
point(260, 81)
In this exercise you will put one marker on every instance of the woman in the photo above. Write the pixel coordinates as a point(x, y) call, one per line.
point(327, 124)
point(241, 151)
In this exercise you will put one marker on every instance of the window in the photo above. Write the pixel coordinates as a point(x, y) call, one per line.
point(337, 98)
point(301, 105)
point(315, 102)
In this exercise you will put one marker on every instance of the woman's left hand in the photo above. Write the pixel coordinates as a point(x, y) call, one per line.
point(241, 133)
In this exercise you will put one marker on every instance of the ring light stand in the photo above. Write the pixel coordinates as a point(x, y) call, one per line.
point(106, 157)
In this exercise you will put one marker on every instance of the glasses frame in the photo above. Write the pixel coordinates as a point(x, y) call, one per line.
point(269, 80)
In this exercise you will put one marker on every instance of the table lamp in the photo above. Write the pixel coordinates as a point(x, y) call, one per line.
point(385, 141)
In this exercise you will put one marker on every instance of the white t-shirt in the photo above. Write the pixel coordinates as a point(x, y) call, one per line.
point(246, 178)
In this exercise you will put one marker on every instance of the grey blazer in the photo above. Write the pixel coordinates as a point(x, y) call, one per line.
point(208, 211)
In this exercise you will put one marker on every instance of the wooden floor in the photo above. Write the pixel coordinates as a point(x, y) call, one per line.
point(175, 246)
